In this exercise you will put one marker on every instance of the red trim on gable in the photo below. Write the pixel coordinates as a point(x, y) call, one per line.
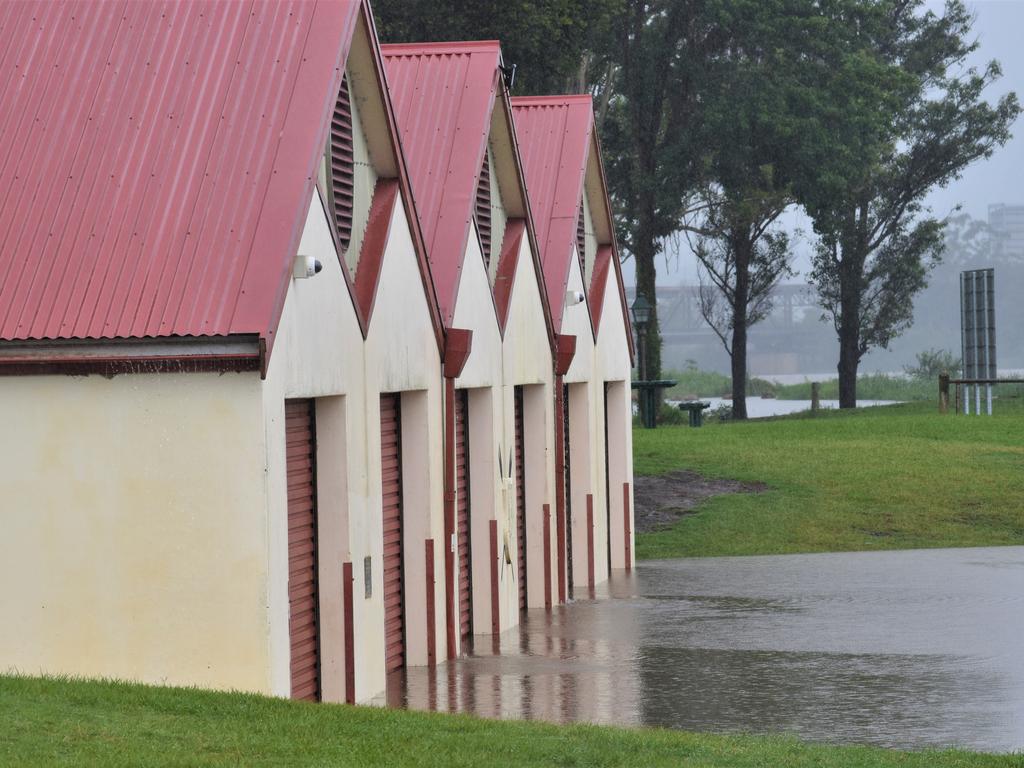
point(375, 242)
point(602, 262)
point(507, 263)
point(566, 352)
point(458, 345)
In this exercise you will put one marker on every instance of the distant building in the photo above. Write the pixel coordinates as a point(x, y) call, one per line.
point(1006, 223)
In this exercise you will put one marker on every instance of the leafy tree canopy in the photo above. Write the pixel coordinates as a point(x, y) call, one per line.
point(547, 40)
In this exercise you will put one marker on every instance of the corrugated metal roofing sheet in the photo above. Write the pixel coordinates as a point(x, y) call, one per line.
point(443, 95)
point(156, 160)
point(555, 135)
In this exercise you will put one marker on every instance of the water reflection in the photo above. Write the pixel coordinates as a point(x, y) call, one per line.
point(899, 649)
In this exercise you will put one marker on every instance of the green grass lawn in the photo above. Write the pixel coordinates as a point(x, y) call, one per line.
point(46, 722)
point(878, 478)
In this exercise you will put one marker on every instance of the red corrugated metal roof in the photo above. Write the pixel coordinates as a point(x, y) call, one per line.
point(555, 134)
point(443, 95)
point(156, 161)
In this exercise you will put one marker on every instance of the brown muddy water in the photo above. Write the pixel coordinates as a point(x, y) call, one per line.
point(907, 649)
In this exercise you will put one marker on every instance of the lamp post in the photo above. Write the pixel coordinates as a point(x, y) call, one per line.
point(641, 311)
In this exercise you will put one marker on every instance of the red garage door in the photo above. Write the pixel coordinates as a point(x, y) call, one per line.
point(303, 625)
point(463, 522)
point(391, 480)
point(520, 496)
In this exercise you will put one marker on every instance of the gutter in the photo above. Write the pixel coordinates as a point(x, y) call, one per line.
point(111, 357)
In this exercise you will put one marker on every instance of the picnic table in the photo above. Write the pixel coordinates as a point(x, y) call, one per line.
point(695, 410)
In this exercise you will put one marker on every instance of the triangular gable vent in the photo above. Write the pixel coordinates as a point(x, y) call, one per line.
point(581, 239)
point(483, 209)
point(342, 160)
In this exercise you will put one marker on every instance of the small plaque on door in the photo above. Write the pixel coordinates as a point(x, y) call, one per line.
point(367, 578)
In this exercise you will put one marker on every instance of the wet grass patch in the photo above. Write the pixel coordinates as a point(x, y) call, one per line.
point(895, 477)
point(51, 722)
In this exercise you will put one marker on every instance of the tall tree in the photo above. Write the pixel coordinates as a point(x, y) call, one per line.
point(748, 135)
point(904, 115)
point(743, 258)
point(549, 41)
point(659, 53)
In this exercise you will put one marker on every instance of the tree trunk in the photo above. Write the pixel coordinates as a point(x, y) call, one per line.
point(739, 371)
point(738, 353)
point(849, 360)
point(849, 334)
point(645, 251)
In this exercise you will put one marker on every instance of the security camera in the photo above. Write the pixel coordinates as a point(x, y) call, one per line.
point(306, 266)
point(572, 298)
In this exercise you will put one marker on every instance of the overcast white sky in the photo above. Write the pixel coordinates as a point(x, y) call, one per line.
point(999, 28)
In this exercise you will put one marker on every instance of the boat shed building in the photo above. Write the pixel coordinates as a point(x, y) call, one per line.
point(221, 354)
point(568, 193)
point(458, 135)
point(314, 355)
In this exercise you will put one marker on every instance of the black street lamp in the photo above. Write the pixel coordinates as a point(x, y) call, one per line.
point(641, 311)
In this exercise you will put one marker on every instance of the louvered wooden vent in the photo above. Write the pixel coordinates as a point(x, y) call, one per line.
point(342, 159)
point(581, 239)
point(483, 209)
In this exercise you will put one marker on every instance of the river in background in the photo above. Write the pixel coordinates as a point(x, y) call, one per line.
point(760, 408)
point(906, 649)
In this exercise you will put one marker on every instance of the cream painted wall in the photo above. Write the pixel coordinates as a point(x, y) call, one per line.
point(527, 360)
point(134, 528)
point(612, 364)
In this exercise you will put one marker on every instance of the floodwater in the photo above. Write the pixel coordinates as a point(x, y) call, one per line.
point(907, 649)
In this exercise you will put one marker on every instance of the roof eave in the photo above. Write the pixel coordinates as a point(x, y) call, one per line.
point(110, 357)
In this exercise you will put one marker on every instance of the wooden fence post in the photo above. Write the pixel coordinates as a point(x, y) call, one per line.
point(943, 393)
